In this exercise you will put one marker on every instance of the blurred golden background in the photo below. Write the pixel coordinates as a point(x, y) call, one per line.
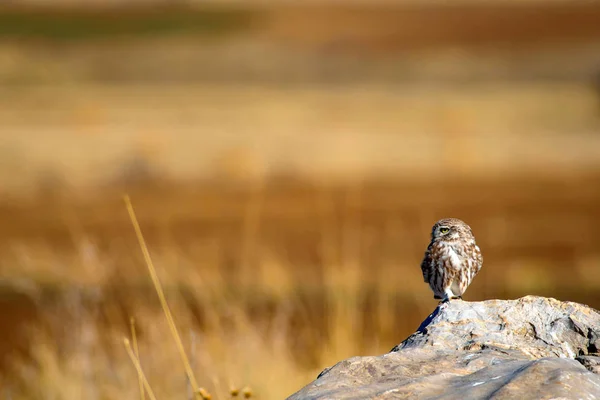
point(286, 162)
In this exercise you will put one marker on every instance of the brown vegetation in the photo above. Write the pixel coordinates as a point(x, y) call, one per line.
point(268, 283)
point(286, 196)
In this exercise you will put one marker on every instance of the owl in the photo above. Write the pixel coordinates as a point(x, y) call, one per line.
point(452, 259)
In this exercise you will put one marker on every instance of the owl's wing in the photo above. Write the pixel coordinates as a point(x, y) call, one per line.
point(426, 265)
point(475, 261)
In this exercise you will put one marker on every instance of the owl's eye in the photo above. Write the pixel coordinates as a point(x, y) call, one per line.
point(444, 230)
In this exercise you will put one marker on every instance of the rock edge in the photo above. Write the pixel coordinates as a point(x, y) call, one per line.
point(530, 348)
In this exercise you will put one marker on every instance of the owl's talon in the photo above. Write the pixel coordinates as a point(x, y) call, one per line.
point(447, 299)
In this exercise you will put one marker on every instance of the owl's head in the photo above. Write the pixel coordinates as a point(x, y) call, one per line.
point(450, 229)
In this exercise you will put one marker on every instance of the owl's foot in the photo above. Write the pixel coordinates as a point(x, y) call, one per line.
point(447, 299)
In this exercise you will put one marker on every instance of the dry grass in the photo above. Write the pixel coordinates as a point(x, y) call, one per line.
point(267, 285)
point(233, 342)
point(270, 279)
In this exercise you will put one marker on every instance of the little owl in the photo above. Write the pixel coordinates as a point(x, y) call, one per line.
point(452, 259)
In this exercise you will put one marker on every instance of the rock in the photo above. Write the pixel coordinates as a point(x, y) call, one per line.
point(592, 363)
point(530, 348)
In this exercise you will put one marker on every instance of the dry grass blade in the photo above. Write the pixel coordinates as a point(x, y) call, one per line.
point(200, 393)
point(137, 355)
point(138, 367)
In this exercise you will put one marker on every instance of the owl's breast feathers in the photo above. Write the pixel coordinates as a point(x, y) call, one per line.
point(453, 256)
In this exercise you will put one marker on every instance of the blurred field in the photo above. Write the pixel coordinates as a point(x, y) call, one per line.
point(274, 282)
point(73, 138)
point(286, 165)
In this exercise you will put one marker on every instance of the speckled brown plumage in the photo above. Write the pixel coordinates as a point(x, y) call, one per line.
point(452, 259)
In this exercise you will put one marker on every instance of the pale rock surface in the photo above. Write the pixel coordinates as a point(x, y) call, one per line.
point(530, 348)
